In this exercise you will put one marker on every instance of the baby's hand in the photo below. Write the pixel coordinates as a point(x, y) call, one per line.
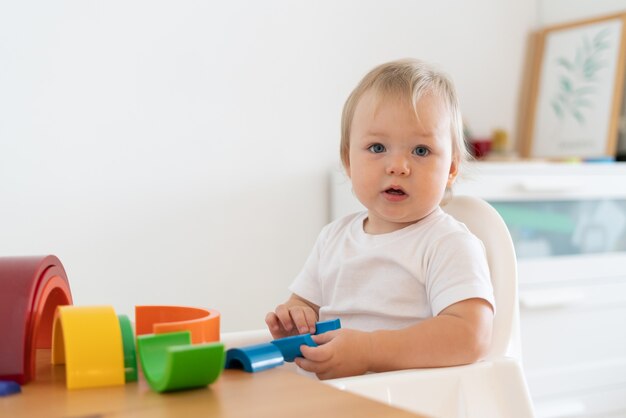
point(340, 353)
point(291, 319)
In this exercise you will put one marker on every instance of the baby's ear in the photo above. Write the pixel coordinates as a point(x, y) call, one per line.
point(454, 171)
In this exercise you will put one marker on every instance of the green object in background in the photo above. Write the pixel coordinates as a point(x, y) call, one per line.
point(130, 356)
point(536, 219)
point(170, 362)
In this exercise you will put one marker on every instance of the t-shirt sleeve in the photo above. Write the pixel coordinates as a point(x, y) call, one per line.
point(307, 283)
point(458, 270)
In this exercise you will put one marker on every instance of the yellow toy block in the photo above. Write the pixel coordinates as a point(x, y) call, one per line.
point(88, 339)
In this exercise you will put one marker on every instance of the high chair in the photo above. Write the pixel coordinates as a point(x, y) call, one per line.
point(493, 387)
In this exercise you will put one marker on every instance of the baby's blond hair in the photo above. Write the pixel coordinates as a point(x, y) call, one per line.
point(410, 79)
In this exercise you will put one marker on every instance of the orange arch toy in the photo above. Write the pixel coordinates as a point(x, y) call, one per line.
point(204, 324)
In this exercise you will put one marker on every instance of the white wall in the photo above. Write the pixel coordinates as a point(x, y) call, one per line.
point(177, 152)
point(550, 12)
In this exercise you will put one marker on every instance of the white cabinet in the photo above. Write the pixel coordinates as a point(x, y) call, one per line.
point(568, 223)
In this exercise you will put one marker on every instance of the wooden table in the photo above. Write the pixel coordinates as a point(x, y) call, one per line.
point(273, 393)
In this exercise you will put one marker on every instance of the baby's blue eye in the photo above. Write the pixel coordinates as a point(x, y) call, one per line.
point(421, 151)
point(377, 148)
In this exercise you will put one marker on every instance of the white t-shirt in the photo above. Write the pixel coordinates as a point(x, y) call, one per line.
point(393, 280)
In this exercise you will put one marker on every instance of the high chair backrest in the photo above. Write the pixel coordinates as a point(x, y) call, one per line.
point(487, 224)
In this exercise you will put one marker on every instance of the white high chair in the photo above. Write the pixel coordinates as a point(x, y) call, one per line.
point(493, 387)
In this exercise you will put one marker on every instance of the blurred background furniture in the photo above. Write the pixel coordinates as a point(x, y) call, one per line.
point(568, 224)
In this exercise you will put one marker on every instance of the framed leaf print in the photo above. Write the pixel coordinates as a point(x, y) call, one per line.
point(576, 90)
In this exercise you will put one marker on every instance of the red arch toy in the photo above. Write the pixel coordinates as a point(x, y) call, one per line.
point(30, 290)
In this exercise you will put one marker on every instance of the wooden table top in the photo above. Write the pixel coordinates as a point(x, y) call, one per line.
point(272, 393)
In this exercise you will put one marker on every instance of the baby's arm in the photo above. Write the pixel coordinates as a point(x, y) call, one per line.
point(296, 316)
point(460, 334)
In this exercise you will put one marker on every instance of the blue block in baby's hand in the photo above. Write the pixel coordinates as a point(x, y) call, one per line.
point(254, 358)
point(290, 346)
point(325, 326)
point(9, 387)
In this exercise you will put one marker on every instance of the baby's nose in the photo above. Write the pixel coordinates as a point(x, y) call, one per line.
point(398, 166)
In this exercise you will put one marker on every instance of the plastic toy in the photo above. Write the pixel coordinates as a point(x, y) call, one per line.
point(171, 362)
point(88, 339)
point(130, 356)
point(96, 346)
point(254, 358)
point(30, 290)
point(325, 326)
point(9, 387)
point(204, 324)
point(290, 346)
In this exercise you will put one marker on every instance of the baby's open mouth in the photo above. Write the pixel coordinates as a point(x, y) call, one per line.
point(396, 192)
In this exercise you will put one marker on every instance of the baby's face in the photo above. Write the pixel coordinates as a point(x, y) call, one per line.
point(400, 165)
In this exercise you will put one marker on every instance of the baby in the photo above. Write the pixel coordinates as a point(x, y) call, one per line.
point(410, 284)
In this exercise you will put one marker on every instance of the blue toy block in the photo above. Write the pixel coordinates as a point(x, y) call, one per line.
point(9, 387)
point(254, 358)
point(290, 346)
point(325, 326)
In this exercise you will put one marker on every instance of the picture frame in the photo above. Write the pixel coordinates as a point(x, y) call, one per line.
point(576, 90)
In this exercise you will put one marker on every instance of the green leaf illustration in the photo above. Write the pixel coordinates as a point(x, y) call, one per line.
point(578, 116)
point(566, 84)
point(557, 109)
point(580, 75)
point(565, 63)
